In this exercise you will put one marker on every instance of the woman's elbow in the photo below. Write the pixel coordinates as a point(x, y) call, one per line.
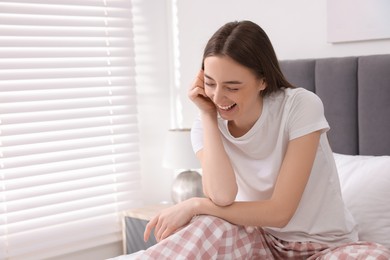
point(283, 218)
point(282, 221)
point(222, 202)
point(223, 199)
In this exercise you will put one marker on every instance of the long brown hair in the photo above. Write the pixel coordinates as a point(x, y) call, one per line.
point(248, 44)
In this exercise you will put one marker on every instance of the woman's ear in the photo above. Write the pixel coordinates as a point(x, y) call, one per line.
point(262, 84)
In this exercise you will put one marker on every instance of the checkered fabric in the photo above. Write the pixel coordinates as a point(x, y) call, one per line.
point(208, 237)
point(354, 251)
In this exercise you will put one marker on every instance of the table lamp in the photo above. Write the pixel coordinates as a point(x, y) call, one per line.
point(179, 155)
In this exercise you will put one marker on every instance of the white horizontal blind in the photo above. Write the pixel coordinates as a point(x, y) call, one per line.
point(69, 155)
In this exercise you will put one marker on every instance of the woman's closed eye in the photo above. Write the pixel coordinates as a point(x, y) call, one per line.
point(210, 84)
point(232, 89)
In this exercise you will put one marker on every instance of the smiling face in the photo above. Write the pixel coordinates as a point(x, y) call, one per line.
point(234, 89)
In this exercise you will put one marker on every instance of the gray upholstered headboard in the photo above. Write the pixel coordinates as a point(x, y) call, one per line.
point(356, 96)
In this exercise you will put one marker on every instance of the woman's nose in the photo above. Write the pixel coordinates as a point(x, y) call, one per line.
point(217, 95)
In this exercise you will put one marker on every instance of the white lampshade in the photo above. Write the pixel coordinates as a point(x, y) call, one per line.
point(178, 152)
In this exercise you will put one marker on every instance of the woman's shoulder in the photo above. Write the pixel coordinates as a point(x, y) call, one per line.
point(302, 96)
point(294, 96)
point(290, 93)
point(293, 92)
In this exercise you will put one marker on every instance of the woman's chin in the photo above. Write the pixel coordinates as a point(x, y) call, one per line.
point(227, 114)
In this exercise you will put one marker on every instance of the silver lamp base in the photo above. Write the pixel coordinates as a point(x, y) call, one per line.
point(187, 184)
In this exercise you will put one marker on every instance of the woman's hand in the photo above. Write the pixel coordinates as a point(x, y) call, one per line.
point(198, 95)
point(170, 220)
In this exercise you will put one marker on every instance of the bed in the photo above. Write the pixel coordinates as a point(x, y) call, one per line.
point(356, 96)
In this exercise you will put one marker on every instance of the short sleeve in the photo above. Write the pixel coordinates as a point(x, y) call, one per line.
point(306, 115)
point(197, 135)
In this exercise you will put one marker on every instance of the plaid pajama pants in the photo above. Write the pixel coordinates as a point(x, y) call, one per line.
point(208, 237)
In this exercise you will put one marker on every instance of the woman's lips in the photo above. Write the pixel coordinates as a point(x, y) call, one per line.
point(226, 108)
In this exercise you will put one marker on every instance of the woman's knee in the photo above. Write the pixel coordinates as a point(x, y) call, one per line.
point(214, 225)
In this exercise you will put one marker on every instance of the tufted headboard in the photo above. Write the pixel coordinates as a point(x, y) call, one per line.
point(356, 96)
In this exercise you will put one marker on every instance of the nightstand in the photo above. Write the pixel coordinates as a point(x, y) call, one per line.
point(134, 223)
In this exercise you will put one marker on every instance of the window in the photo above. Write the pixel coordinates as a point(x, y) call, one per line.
point(69, 148)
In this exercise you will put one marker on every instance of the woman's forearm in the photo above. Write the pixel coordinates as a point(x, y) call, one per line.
point(265, 213)
point(219, 182)
point(289, 188)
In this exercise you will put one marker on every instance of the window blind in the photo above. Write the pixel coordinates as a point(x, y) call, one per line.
point(69, 143)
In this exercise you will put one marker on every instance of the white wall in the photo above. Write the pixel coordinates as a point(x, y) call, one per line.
point(297, 29)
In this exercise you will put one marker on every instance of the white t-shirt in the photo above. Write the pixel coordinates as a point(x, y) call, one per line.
point(257, 157)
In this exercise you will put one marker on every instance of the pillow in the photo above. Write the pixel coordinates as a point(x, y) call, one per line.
point(365, 186)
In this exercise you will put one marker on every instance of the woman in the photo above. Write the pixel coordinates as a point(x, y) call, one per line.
point(269, 178)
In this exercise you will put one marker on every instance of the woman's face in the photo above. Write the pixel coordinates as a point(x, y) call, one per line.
point(234, 89)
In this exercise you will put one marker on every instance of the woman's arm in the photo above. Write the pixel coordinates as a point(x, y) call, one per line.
point(275, 212)
point(290, 185)
point(218, 178)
